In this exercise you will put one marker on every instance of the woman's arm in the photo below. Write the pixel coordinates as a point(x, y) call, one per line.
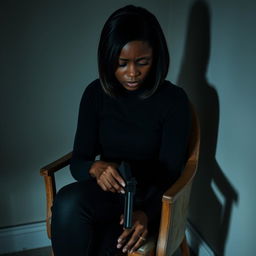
point(86, 145)
point(173, 150)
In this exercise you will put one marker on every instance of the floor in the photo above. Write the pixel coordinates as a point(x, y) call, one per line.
point(46, 251)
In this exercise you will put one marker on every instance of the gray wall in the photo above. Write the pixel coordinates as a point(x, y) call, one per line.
point(213, 46)
point(48, 56)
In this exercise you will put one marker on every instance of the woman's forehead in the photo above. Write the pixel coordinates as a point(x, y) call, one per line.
point(136, 49)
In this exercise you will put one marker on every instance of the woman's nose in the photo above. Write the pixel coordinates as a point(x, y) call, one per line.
point(133, 70)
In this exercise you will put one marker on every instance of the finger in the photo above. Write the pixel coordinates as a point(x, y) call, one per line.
point(121, 220)
point(110, 175)
point(125, 234)
point(102, 185)
point(134, 238)
point(104, 180)
point(117, 177)
point(140, 242)
point(109, 186)
point(123, 237)
point(114, 183)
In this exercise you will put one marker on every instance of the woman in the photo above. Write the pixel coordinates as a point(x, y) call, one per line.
point(131, 113)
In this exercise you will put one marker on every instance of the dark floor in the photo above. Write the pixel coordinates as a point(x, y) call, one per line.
point(46, 251)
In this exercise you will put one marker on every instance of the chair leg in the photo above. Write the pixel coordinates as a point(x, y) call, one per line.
point(184, 247)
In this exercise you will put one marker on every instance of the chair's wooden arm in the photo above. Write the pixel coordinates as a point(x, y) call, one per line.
point(172, 194)
point(56, 165)
point(50, 184)
point(174, 211)
point(176, 199)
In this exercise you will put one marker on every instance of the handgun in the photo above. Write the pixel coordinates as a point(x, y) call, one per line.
point(130, 190)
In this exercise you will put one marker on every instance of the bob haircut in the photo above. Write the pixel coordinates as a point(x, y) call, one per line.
point(128, 24)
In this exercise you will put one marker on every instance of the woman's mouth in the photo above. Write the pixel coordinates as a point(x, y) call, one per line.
point(132, 84)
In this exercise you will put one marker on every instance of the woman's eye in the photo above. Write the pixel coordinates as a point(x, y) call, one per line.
point(142, 63)
point(121, 64)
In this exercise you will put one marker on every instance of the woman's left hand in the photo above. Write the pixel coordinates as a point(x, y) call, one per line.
point(137, 233)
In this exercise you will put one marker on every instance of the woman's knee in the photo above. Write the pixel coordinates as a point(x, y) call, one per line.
point(67, 201)
point(84, 200)
point(75, 198)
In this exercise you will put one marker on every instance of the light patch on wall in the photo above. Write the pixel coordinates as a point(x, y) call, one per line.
point(220, 197)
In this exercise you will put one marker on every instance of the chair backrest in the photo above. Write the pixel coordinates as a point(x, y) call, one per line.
point(176, 199)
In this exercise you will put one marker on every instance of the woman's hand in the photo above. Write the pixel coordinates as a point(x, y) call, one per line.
point(137, 234)
point(107, 176)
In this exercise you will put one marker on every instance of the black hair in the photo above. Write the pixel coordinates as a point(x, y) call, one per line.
point(128, 24)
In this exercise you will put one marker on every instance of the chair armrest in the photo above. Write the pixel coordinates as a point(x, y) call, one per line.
point(48, 172)
point(55, 166)
point(174, 211)
point(175, 200)
point(173, 193)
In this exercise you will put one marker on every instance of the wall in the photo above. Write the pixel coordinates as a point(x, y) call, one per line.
point(213, 45)
point(48, 56)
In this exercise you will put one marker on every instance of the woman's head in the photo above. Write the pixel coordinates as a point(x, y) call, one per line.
point(124, 26)
point(134, 65)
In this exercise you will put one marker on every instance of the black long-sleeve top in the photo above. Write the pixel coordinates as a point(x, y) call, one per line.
point(151, 134)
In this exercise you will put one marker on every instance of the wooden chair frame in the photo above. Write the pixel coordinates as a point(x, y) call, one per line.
point(174, 201)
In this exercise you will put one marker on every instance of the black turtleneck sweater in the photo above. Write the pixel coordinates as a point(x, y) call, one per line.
point(151, 134)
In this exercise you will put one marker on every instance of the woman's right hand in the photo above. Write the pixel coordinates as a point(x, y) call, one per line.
point(107, 176)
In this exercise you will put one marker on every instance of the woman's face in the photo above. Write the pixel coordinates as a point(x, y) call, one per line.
point(134, 64)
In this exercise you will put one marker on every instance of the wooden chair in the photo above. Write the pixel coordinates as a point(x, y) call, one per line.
point(174, 201)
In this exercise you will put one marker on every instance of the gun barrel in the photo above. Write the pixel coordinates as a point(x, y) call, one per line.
point(130, 188)
point(128, 210)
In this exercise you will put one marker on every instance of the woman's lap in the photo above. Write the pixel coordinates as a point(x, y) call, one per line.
point(82, 215)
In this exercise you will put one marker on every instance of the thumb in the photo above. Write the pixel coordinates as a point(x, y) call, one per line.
point(121, 220)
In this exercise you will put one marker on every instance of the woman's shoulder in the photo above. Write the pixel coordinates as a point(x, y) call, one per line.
point(170, 91)
point(173, 99)
point(94, 87)
point(92, 93)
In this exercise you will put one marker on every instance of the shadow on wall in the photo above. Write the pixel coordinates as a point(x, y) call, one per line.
point(213, 196)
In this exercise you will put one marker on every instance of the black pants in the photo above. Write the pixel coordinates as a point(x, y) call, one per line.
point(85, 220)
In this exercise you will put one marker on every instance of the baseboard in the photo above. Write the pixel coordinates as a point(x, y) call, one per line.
point(25, 237)
point(33, 236)
point(196, 243)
